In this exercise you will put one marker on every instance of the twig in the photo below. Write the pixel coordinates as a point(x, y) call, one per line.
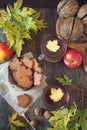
point(82, 91)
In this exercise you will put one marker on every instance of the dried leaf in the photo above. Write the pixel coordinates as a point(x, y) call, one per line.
point(19, 123)
point(13, 117)
point(14, 122)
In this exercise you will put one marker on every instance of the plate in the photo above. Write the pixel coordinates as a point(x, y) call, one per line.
point(9, 91)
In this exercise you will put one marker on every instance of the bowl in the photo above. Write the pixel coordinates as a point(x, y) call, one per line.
point(49, 103)
point(50, 55)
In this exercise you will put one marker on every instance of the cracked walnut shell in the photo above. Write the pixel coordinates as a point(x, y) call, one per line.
point(67, 8)
point(70, 28)
point(82, 14)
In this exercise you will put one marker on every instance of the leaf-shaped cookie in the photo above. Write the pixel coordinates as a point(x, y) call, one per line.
point(56, 94)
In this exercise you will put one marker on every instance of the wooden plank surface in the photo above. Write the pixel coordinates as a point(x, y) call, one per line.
point(36, 3)
point(51, 70)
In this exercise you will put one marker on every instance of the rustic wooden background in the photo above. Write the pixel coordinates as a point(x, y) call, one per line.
point(36, 3)
point(51, 70)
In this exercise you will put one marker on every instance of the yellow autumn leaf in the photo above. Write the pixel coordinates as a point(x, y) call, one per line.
point(19, 123)
point(18, 46)
point(56, 94)
point(13, 117)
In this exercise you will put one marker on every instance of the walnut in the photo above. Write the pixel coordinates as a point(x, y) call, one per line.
point(33, 123)
point(82, 13)
point(47, 114)
point(37, 111)
point(67, 8)
point(70, 28)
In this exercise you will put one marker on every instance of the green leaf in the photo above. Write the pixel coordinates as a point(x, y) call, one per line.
point(3, 13)
point(39, 23)
point(17, 17)
point(11, 9)
point(26, 12)
point(32, 11)
point(17, 23)
point(29, 24)
point(12, 127)
point(18, 46)
point(62, 117)
point(10, 40)
point(8, 11)
point(11, 28)
point(18, 4)
point(69, 119)
point(83, 119)
point(65, 80)
point(1, 22)
point(19, 123)
point(77, 126)
point(36, 16)
point(79, 120)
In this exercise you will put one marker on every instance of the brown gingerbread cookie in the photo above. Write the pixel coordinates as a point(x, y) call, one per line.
point(24, 100)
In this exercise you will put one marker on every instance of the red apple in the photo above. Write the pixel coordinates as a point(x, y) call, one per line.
point(73, 58)
point(5, 52)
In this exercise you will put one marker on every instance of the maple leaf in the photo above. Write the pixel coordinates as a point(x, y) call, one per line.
point(65, 80)
point(19, 123)
point(13, 117)
point(17, 23)
point(18, 4)
point(14, 122)
point(18, 46)
point(61, 118)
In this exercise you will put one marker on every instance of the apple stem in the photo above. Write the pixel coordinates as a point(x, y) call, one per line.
point(82, 92)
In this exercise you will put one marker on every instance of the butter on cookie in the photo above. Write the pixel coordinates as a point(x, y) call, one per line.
point(53, 45)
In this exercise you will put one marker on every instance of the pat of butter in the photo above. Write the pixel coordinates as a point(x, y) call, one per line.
point(52, 45)
point(56, 94)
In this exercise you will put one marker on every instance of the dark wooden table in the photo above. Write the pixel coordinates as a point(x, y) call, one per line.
point(51, 70)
